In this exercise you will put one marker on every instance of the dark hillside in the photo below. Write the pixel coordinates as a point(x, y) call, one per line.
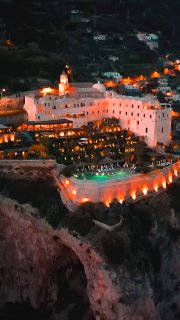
point(50, 34)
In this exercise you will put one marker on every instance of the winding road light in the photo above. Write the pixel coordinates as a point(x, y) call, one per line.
point(2, 91)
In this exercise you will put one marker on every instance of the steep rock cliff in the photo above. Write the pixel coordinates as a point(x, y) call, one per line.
point(32, 253)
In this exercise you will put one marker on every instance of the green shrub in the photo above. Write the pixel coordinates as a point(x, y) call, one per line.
point(81, 224)
point(68, 171)
point(117, 246)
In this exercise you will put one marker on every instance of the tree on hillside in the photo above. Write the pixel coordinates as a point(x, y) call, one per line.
point(47, 142)
point(117, 246)
point(39, 150)
point(139, 150)
point(68, 171)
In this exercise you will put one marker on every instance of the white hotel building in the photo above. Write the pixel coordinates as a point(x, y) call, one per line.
point(84, 102)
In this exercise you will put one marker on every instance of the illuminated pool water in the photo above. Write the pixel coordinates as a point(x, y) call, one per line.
point(102, 176)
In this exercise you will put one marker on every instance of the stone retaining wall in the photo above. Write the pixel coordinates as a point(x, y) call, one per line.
point(28, 163)
point(133, 187)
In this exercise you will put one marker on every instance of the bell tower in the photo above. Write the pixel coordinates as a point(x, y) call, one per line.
point(64, 83)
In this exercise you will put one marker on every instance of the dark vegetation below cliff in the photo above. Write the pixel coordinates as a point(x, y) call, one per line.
point(22, 311)
point(48, 36)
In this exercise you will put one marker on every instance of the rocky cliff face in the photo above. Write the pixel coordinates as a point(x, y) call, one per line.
point(33, 253)
point(168, 281)
point(29, 256)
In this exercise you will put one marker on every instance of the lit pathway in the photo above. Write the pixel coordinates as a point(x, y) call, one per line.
point(106, 226)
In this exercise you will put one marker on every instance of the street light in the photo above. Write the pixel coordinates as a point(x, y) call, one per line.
point(2, 90)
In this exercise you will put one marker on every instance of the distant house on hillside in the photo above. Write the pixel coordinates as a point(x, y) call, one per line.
point(172, 97)
point(113, 58)
point(150, 39)
point(112, 75)
point(131, 87)
point(77, 16)
point(99, 37)
point(163, 81)
point(164, 89)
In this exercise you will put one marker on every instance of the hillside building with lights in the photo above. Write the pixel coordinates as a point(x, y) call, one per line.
point(150, 39)
point(84, 102)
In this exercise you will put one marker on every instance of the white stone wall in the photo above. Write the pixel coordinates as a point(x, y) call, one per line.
point(163, 126)
point(137, 115)
point(76, 191)
point(30, 108)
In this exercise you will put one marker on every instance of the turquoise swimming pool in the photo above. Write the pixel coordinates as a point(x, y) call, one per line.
point(102, 176)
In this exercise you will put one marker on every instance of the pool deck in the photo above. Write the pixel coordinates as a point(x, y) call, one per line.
point(103, 176)
point(131, 186)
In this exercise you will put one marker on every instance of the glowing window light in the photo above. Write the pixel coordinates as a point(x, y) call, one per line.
point(46, 90)
point(67, 182)
point(145, 191)
point(155, 74)
point(175, 172)
point(168, 94)
point(133, 195)
point(107, 203)
point(85, 200)
point(156, 188)
point(74, 192)
point(170, 179)
point(121, 201)
point(164, 184)
point(177, 67)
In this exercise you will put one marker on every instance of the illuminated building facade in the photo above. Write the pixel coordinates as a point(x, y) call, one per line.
point(48, 125)
point(84, 103)
point(7, 135)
